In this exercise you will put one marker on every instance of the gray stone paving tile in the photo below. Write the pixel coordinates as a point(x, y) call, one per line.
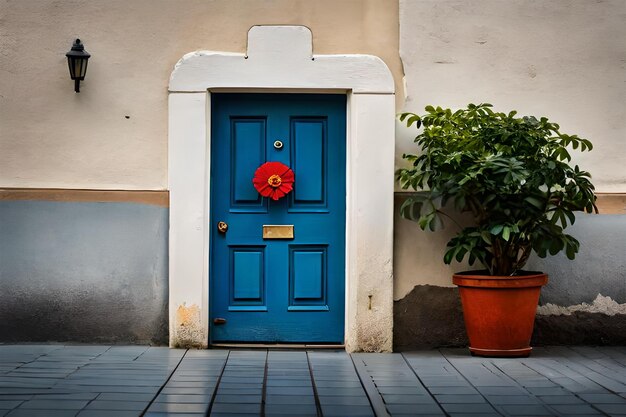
point(474, 415)
point(195, 391)
point(24, 391)
point(347, 411)
point(238, 399)
point(340, 391)
point(512, 399)
point(291, 409)
point(238, 386)
point(11, 397)
point(408, 399)
point(585, 415)
point(183, 398)
point(444, 382)
point(337, 384)
point(236, 408)
point(338, 400)
point(120, 396)
point(420, 415)
point(108, 388)
point(392, 383)
point(9, 405)
point(603, 398)
point(569, 410)
point(468, 408)
point(293, 391)
point(229, 415)
point(400, 409)
point(241, 391)
point(452, 390)
point(38, 374)
point(612, 409)
point(561, 399)
point(187, 384)
point(288, 374)
point(289, 399)
point(20, 412)
point(155, 414)
point(415, 390)
point(108, 413)
point(178, 408)
point(67, 396)
point(241, 380)
point(288, 383)
point(117, 405)
point(115, 382)
point(526, 410)
point(54, 404)
point(189, 378)
point(548, 391)
point(20, 380)
point(511, 390)
point(283, 415)
point(459, 399)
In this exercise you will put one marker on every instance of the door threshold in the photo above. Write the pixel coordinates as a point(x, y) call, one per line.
point(276, 346)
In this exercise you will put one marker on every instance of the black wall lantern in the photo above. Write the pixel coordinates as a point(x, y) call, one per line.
point(77, 61)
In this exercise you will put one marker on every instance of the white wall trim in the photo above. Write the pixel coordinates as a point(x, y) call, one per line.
point(279, 58)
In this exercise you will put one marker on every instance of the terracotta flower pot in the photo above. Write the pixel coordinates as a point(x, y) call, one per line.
point(499, 312)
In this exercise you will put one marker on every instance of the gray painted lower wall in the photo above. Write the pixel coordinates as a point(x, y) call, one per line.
point(431, 316)
point(97, 272)
point(83, 272)
point(599, 267)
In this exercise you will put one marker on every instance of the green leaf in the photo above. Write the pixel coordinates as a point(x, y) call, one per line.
point(404, 116)
point(495, 230)
point(414, 119)
point(535, 202)
point(506, 232)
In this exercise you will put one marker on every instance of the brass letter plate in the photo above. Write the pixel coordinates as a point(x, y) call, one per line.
point(275, 231)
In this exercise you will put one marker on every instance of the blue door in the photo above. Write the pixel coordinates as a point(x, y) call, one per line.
point(277, 267)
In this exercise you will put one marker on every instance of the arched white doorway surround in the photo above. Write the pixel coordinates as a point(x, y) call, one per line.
point(280, 59)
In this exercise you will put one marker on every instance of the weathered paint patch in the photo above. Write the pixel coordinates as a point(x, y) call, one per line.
point(373, 334)
point(188, 330)
point(601, 304)
point(429, 316)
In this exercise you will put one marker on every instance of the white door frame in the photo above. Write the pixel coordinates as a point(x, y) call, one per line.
point(280, 59)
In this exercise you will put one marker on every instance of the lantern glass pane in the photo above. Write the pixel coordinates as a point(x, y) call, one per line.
point(77, 68)
point(83, 69)
point(70, 64)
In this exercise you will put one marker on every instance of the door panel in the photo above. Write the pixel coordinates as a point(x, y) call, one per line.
point(247, 153)
point(278, 290)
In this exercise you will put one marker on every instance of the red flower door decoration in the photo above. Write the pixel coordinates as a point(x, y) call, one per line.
point(273, 180)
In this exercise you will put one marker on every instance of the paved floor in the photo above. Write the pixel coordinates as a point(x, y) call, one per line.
point(103, 381)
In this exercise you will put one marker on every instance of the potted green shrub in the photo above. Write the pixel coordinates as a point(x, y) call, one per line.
point(512, 174)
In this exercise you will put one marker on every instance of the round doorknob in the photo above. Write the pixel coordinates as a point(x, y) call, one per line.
point(222, 227)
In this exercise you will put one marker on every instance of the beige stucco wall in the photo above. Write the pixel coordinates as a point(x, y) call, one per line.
point(563, 59)
point(51, 137)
